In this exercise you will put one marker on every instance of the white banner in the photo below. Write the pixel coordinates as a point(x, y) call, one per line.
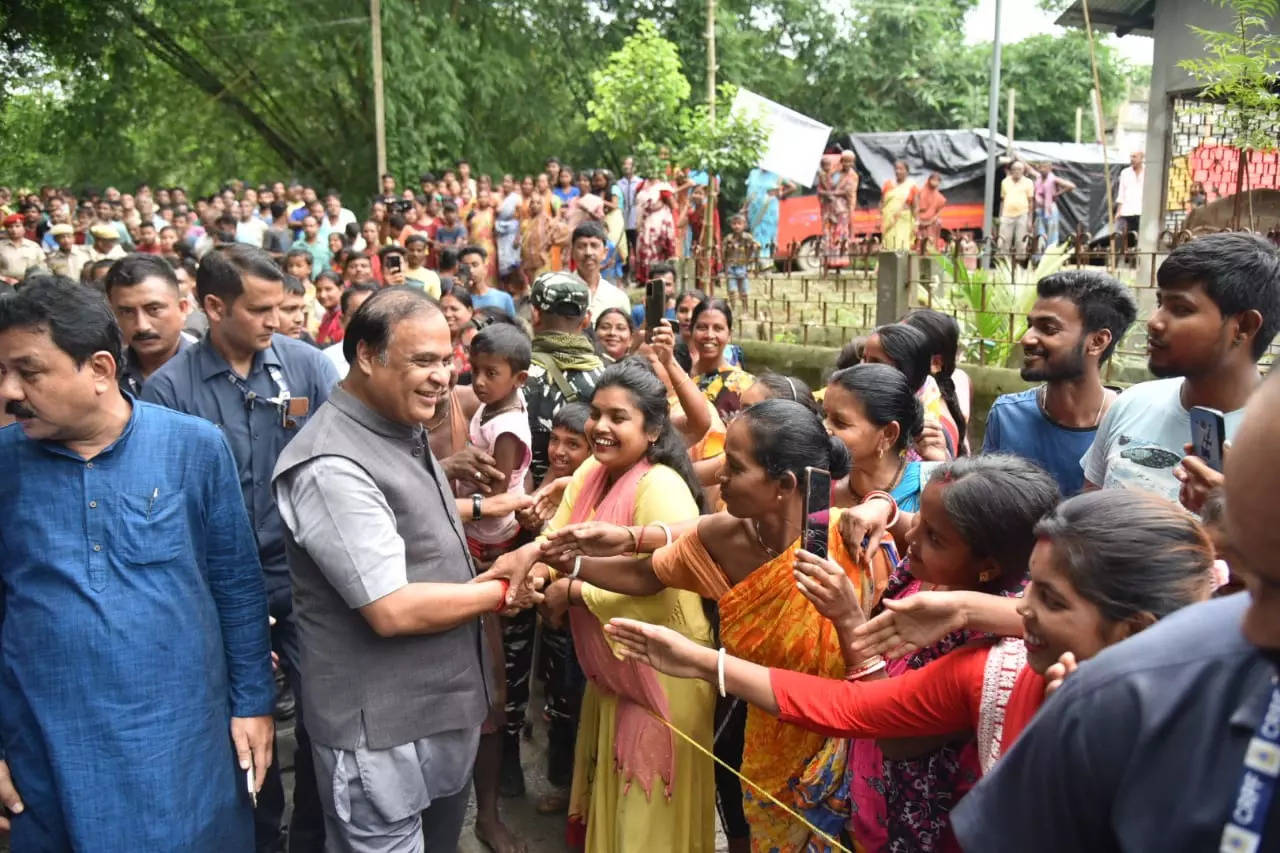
point(795, 143)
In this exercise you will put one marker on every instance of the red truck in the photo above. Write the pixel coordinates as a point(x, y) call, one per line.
point(800, 227)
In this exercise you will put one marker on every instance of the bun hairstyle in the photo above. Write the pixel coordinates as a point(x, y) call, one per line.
point(885, 397)
point(1159, 560)
point(634, 375)
point(789, 437)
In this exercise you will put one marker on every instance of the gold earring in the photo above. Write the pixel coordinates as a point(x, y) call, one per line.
point(986, 577)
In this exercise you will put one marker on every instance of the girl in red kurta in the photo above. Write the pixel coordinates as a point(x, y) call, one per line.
point(1106, 565)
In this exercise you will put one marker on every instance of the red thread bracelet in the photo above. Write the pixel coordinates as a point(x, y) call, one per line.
point(502, 602)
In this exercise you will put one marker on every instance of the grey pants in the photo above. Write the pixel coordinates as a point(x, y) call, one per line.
point(437, 828)
point(373, 801)
point(1013, 236)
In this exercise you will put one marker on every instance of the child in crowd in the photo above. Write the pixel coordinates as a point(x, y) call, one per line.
point(329, 296)
point(739, 250)
point(969, 250)
point(568, 447)
point(500, 357)
point(451, 233)
point(298, 263)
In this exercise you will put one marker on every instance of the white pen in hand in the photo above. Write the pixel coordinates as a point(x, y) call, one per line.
point(248, 778)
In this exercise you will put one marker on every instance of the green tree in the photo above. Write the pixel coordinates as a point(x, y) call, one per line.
point(1052, 76)
point(197, 91)
point(1237, 71)
point(640, 98)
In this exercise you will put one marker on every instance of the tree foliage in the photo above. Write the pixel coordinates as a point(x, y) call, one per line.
point(640, 103)
point(199, 91)
point(1237, 70)
point(1052, 77)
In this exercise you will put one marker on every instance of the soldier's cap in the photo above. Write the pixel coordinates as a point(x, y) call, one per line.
point(561, 293)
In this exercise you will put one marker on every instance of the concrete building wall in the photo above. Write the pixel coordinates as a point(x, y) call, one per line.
point(1174, 42)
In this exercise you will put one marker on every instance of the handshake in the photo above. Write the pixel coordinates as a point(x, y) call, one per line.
point(527, 569)
point(525, 579)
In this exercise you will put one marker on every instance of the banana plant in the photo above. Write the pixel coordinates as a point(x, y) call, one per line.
point(991, 305)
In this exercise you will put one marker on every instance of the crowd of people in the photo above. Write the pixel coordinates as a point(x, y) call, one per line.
point(380, 466)
point(521, 226)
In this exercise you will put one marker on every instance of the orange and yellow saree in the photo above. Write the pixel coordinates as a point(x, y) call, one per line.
point(765, 619)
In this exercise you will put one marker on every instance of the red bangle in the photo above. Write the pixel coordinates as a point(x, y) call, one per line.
point(884, 496)
point(502, 602)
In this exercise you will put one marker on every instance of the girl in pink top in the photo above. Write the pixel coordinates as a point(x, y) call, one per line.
point(500, 356)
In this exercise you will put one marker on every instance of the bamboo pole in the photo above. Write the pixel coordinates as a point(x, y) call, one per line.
point(379, 106)
point(1097, 101)
point(709, 215)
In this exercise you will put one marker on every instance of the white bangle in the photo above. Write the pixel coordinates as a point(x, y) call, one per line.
point(667, 530)
point(577, 567)
point(720, 670)
point(866, 669)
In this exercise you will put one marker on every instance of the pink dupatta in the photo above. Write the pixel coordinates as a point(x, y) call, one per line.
point(642, 746)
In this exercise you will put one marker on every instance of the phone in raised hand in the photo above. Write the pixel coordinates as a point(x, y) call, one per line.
point(1208, 435)
point(655, 303)
point(817, 510)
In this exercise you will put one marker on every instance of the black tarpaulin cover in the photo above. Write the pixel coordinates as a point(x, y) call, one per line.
point(960, 156)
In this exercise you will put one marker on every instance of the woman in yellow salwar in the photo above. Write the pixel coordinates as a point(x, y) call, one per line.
point(744, 559)
point(636, 786)
point(898, 211)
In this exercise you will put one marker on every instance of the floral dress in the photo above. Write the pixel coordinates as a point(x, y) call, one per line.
point(919, 793)
point(724, 389)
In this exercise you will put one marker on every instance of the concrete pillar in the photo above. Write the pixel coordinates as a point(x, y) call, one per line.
point(892, 292)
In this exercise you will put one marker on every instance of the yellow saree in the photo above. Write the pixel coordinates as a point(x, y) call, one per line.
point(897, 221)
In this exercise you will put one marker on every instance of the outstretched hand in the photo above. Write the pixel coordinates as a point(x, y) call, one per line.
point(472, 463)
point(908, 624)
point(587, 539)
point(662, 648)
point(528, 594)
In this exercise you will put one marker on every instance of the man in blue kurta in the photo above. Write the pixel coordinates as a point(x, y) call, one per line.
point(135, 674)
point(259, 387)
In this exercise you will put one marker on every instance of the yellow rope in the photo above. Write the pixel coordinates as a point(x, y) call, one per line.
point(836, 845)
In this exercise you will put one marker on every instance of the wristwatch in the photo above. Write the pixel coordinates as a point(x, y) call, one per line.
point(477, 506)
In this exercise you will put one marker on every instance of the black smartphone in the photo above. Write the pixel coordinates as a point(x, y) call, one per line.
point(394, 263)
point(655, 303)
point(817, 510)
point(1208, 433)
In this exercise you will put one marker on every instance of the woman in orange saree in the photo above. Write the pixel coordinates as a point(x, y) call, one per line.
point(535, 236)
point(744, 559)
point(480, 231)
